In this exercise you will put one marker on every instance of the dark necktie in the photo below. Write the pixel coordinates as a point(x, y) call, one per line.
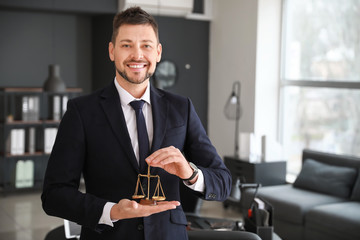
point(143, 138)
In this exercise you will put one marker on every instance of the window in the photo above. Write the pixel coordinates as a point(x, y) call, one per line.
point(320, 78)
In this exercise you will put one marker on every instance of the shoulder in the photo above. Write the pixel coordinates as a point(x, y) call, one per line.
point(171, 97)
point(92, 98)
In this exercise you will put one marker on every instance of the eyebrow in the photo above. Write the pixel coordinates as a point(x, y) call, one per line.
point(128, 40)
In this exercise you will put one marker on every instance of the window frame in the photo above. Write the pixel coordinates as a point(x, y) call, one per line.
point(302, 82)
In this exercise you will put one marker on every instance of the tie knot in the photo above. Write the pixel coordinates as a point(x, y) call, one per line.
point(137, 104)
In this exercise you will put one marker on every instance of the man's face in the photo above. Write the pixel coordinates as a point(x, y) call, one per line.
point(135, 53)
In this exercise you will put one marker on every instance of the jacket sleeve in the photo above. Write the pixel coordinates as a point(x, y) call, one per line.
point(61, 196)
point(199, 150)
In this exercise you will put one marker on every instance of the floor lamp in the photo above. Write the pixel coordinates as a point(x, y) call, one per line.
point(233, 111)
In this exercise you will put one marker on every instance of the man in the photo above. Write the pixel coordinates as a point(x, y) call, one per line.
point(98, 138)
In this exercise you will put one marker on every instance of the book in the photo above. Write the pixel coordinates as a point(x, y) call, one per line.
point(33, 108)
point(25, 108)
point(12, 142)
point(31, 140)
point(49, 139)
point(20, 142)
point(56, 110)
point(29, 173)
point(64, 104)
point(16, 142)
point(24, 176)
point(19, 174)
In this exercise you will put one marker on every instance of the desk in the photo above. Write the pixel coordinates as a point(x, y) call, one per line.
point(266, 173)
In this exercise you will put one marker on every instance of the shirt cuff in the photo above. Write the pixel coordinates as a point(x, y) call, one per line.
point(199, 185)
point(105, 217)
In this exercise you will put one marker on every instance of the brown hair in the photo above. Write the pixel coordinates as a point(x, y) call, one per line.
point(134, 16)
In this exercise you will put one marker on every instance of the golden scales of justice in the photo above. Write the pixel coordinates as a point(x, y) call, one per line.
point(145, 199)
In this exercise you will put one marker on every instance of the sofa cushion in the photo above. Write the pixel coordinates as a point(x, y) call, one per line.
point(336, 221)
point(325, 178)
point(355, 195)
point(290, 204)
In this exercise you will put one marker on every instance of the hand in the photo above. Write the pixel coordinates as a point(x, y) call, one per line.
point(126, 208)
point(171, 160)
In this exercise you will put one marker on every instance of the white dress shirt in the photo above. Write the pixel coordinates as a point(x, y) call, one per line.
point(130, 119)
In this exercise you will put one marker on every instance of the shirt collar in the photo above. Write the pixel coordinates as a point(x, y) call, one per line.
point(126, 97)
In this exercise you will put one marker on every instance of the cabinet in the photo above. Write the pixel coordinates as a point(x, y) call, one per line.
point(29, 118)
point(265, 173)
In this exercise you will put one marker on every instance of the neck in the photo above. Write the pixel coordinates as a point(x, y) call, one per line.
point(136, 90)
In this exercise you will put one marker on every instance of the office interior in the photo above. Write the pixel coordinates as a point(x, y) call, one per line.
point(215, 45)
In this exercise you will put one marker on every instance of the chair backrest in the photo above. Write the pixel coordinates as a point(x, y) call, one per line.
point(222, 235)
point(72, 230)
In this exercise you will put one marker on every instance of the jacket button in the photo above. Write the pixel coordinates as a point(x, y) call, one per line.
point(140, 227)
point(212, 195)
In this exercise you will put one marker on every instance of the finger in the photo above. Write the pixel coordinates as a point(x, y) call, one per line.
point(176, 203)
point(165, 206)
point(147, 210)
point(171, 159)
point(167, 156)
point(134, 204)
point(157, 162)
point(161, 152)
point(163, 163)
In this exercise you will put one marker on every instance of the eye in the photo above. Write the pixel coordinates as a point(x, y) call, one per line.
point(147, 46)
point(125, 46)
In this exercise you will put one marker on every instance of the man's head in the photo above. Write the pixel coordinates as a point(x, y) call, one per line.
point(133, 16)
point(134, 46)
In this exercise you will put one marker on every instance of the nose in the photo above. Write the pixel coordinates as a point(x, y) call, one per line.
point(137, 53)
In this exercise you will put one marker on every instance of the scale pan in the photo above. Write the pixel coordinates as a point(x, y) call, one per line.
point(138, 196)
point(159, 198)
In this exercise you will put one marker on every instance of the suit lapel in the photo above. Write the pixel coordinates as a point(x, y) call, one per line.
point(110, 102)
point(159, 111)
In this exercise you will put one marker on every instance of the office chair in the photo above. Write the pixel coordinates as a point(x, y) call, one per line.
point(69, 231)
point(59, 234)
point(221, 235)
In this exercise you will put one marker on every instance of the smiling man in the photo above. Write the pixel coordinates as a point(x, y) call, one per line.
point(135, 51)
point(116, 133)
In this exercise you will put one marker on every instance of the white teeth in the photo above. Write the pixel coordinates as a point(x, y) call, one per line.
point(136, 66)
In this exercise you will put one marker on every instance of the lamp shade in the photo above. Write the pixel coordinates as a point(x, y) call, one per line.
point(232, 111)
point(54, 83)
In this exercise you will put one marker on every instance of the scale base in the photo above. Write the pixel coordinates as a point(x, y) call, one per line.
point(147, 201)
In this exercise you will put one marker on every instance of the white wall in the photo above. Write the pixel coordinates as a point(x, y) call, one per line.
point(244, 46)
point(267, 67)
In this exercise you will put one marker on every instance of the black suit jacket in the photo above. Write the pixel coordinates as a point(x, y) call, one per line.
point(93, 141)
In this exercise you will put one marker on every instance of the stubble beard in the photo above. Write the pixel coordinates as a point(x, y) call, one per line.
point(134, 81)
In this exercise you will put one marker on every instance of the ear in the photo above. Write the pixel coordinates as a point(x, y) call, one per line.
point(159, 51)
point(111, 51)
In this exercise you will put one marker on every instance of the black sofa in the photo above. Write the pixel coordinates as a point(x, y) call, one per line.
point(322, 203)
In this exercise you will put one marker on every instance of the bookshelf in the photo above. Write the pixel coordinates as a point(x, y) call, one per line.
point(29, 119)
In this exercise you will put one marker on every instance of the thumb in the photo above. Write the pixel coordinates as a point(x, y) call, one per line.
point(134, 204)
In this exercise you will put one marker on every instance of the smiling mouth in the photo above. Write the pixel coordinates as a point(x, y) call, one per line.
point(137, 66)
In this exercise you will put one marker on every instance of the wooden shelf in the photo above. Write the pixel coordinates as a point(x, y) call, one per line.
point(21, 89)
point(20, 122)
point(36, 89)
point(18, 133)
point(9, 155)
point(51, 121)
